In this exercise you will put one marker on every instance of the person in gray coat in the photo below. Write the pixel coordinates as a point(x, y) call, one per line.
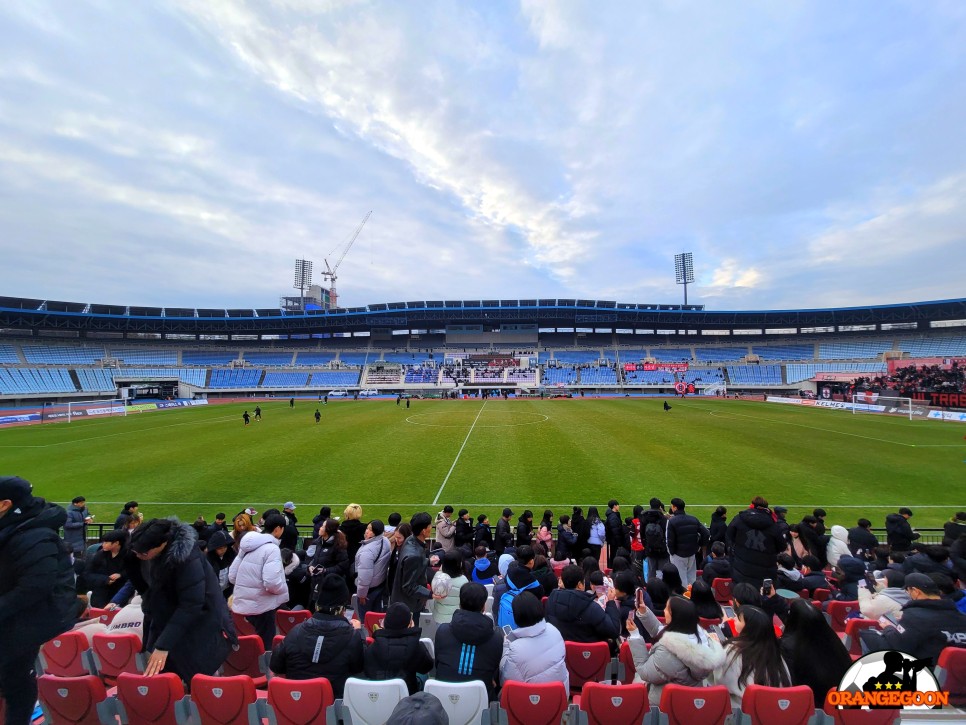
point(372, 569)
point(682, 653)
point(75, 528)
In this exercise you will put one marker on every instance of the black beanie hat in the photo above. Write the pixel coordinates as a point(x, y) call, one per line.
point(333, 592)
point(398, 616)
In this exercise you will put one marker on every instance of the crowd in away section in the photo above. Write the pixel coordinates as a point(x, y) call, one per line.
point(748, 600)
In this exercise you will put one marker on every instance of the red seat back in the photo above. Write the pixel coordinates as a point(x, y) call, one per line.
point(627, 659)
point(785, 705)
point(852, 628)
point(285, 620)
point(709, 623)
point(64, 655)
point(953, 662)
point(71, 699)
point(373, 621)
point(243, 627)
point(838, 611)
point(586, 662)
point(296, 702)
point(533, 704)
point(150, 700)
point(222, 700)
point(615, 704)
point(689, 705)
point(821, 595)
point(116, 653)
point(243, 659)
point(722, 590)
point(885, 716)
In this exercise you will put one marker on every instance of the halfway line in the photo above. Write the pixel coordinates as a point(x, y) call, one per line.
point(455, 460)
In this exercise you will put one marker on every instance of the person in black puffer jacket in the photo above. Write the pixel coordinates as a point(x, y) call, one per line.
point(899, 533)
point(718, 528)
point(396, 650)
point(470, 647)
point(576, 614)
point(755, 542)
point(326, 645)
point(331, 554)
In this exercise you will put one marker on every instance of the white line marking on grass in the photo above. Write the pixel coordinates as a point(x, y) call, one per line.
point(541, 419)
point(229, 504)
point(128, 432)
point(455, 460)
point(725, 413)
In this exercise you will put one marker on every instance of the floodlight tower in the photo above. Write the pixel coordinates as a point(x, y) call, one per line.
point(303, 278)
point(684, 271)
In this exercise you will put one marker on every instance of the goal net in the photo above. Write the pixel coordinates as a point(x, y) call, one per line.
point(875, 403)
point(715, 390)
point(95, 409)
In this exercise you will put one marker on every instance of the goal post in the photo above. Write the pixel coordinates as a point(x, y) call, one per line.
point(875, 403)
point(95, 408)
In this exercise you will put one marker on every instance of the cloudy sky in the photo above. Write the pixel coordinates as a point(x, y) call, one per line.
point(185, 152)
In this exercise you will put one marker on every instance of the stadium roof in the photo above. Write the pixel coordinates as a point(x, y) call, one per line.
point(33, 315)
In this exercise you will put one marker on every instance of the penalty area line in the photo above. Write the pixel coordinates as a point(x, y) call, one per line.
point(456, 460)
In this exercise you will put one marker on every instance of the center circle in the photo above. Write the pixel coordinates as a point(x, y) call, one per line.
point(469, 417)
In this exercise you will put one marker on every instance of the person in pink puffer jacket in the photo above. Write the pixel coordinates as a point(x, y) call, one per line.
point(259, 578)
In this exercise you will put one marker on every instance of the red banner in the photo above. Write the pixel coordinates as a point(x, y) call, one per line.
point(667, 367)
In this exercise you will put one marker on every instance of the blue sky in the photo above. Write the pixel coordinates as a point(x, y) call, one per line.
point(809, 154)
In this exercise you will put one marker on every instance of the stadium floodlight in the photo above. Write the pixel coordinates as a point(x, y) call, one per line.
point(684, 271)
point(303, 278)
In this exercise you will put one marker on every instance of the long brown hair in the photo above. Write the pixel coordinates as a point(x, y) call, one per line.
point(759, 649)
point(331, 528)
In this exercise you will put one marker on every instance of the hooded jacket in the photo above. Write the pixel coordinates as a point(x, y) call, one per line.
point(718, 528)
point(678, 658)
point(952, 530)
point(685, 534)
point(888, 601)
point(323, 646)
point(716, 569)
point(579, 618)
point(504, 535)
point(463, 536)
point(815, 543)
point(445, 532)
point(411, 583)
point(36, 578)
point(372, 564)
point(849, 572)
point(258, 575)
point(925, 564)
point(862, 540)
point(221, 564)
point(838, 545)
point(926, 628)
point(899, 533)
point(484, 570)
point(755, 541)
point(184, 610)
point(397, 653)
point(483, 536)
point(535, 654)
point(790, 579)
point(566, 542)
point(469, 648)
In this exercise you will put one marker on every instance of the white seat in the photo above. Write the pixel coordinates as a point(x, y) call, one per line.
point(430, 646)
point(488, 607)
point(372, 702)
point(489, 590)
point(428, 625)
point(464, 702)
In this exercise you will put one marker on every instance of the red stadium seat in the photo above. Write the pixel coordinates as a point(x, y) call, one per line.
point(295, 702)
point(586, 662)
point(627, 659)
point(373, 621)
point(70, 699)
point(64, 655)
point(533, 704)
point(614, 704)
point(285, 620)
point(722, 590)
point(852, 641)
point(243, 627)
point(951, 673)
point(860, 717)
point(785, 705)
point(277, 640)
point(115, 653)
point(822, 595)
point(691, 705)
point(243, 659)
point(838, 611)
point(221, 700)
point(150, 700)
point(709, 623)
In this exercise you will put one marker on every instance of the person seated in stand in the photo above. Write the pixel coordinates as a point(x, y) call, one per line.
point(702, 596)
point(575, 614)
point(659, 593)
point(682, 652)
point(626, 585)
point(753, 657)
point(518, 577)
point(105, 569)
point(929, 559)
point(396, 651)
point(812, 575)
point(326, 645)
point(450, 578)
point(862, 542)
point(544, 574)
point(744, 594)
point(888, 597)
point(672, 578)
point(813, 651)
point(717, 566)
point(535, 650)
point(470, 647)
point(484, 568)
point(789, 577)
point(848, 573)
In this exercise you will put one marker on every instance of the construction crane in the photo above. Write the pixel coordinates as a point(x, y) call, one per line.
point(330, 271)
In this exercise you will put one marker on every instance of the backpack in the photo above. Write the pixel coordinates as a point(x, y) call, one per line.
point(505, 616)
point(655, 543)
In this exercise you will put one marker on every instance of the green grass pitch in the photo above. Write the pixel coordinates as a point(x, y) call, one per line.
point(484, 455)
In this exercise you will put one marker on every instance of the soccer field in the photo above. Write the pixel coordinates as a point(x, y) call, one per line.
point(484, 455)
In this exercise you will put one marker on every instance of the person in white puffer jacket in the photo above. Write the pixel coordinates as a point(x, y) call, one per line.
point(534, 651)
point(259, 578)
point(838, 545)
